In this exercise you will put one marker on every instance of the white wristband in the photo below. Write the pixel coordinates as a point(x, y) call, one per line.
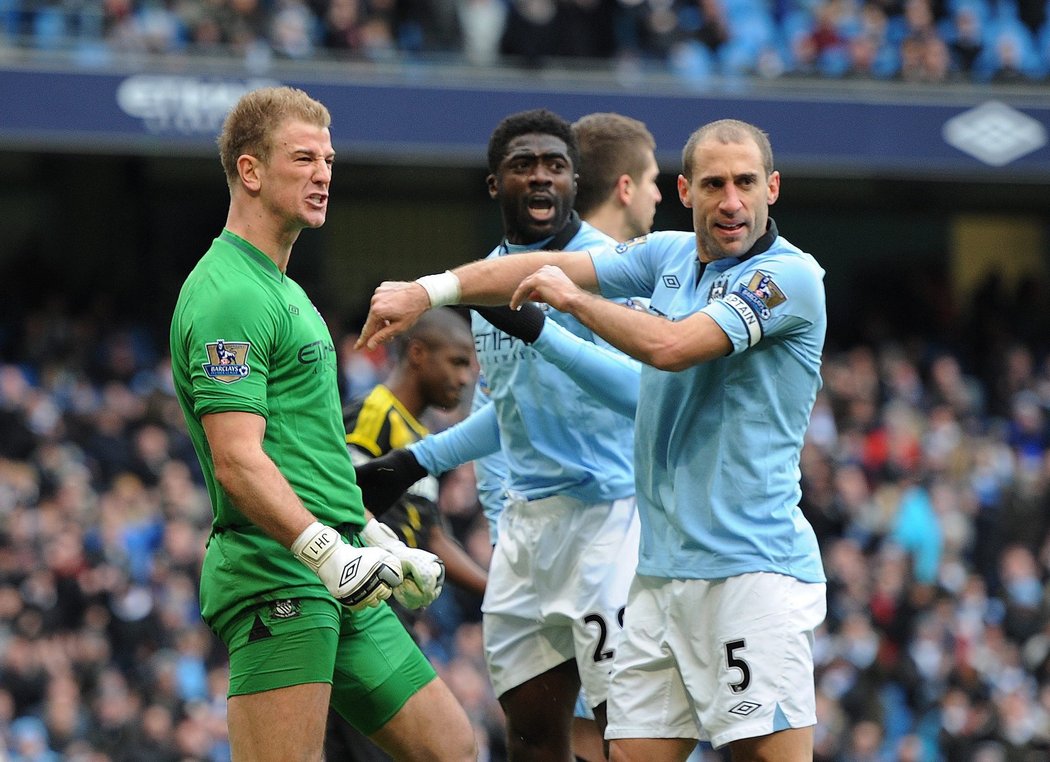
point(442, 288)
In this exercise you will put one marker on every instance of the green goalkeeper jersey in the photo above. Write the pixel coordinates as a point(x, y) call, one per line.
point(245, 337)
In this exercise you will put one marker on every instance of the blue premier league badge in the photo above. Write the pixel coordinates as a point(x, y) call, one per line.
point(227, 360)
point(762, 294)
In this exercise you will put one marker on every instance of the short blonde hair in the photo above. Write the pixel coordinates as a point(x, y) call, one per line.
point(251, 123)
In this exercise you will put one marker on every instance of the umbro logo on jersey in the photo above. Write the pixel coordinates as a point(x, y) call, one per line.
point(671, 281)
point(744, 708)
point(349, 571)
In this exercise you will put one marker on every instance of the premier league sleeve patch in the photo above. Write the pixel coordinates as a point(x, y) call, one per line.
point(754, 301)
point(763, 294)
point(227, 360)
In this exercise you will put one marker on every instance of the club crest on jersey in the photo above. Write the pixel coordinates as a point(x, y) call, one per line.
point(762, 294)
point(288, 609)
point(227, 360)
point(718, 289)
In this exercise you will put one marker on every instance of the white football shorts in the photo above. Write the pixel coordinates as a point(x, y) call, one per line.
point(718, 660)
point(557, 588)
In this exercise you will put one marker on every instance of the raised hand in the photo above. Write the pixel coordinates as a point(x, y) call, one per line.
point(549, 284)
point(395, 307)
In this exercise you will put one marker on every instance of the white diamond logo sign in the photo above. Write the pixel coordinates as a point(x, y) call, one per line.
point(994, 133)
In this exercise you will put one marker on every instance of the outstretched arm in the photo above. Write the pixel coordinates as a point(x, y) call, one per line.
point(609, 377)
point(396, 305)
point(383, 480)
point(656, 341)
point(474, 437)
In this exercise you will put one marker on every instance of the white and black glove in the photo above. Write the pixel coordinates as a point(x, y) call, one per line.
point(423, 571)
point(357, 577)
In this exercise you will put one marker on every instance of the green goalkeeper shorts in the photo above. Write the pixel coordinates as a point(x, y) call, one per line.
point(369, 658)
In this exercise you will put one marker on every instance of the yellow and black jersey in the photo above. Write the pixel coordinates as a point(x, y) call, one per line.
point(375, 425)
point(379, 423)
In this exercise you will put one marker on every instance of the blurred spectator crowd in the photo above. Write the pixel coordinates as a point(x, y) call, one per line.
point(103, 523)
point(935, 41)
point(926, 474)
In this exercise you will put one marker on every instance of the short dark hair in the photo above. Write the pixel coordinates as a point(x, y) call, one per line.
point(611, 145)
point(727, 131)
point(434, 328)
point(539, 121)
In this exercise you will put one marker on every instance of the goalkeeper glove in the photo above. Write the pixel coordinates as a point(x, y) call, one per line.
point(423, 571)
point(525, 323)
point(383, 480)
point(357, 577)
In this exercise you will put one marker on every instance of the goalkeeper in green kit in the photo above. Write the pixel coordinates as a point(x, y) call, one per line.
point(296, 571)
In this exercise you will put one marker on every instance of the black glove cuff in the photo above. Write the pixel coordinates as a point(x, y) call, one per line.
point(383, 480)
point(525, 323)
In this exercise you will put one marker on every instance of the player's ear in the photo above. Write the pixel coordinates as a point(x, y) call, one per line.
point(683, 192)
point(624, 188)
point(248, 171)
point(417, 352)
point(773, 188)
point(492, 183)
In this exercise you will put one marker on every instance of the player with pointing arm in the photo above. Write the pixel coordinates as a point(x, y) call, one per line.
point(730, 586)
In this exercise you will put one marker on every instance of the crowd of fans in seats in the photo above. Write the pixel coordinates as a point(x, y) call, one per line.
point(934, 41)
point(103, 523)
point(926, 474)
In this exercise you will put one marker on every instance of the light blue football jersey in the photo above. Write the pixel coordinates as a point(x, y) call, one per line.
point(556, 438)
point(605, 374)
point(718, 444)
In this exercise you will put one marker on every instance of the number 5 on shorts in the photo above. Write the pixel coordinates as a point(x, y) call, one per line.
point(735, 662)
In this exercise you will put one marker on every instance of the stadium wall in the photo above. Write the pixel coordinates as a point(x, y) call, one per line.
point(110, 186)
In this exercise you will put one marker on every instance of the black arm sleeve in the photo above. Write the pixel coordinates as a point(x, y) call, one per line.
point(525, 323)
point(383, 480)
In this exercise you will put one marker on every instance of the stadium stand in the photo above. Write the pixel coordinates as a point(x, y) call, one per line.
point(926, 474)
point(986, 40)
point(926, 470)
